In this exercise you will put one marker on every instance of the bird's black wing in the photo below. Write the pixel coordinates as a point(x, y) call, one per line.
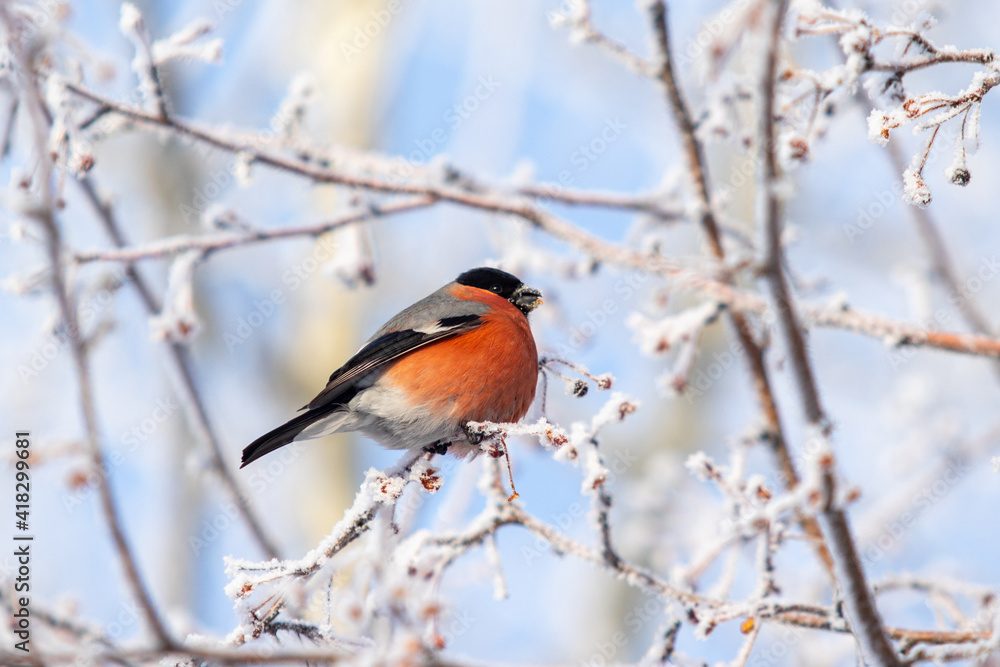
point(384, 349)
point(342, 386)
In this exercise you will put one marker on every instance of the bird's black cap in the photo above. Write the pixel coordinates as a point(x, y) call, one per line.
point(503, 284)
point(492, 280)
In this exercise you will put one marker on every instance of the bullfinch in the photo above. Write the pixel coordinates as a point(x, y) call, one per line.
point(464, 353)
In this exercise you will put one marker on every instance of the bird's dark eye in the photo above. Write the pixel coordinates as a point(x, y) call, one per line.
point(495, 288)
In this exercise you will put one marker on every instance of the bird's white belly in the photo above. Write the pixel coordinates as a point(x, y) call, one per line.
point(383, 413)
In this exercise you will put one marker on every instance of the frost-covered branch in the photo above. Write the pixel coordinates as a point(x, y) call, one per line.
point(133, 25)
point(382, 176)
point(43, 211)
point(252, 581)
point(772, 223)
point(576, 17)
point(206, 244)
point(866, 624)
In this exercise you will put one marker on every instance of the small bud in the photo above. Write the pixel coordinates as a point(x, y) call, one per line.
point(798, 149)
point(959, 176)
point(957, 172)
point(915, 191)
point(430, 480)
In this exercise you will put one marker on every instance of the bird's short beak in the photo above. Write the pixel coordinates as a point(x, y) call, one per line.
point(527, 299)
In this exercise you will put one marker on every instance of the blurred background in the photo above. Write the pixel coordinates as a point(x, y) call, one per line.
point(504, 95)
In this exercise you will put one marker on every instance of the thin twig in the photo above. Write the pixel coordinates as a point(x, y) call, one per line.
point(144, 64)
point(866, 624)
point(900, 334)
point(579, 19)
point(210, 243)
point(648, 204)
point(772, 224)
point(601, 504)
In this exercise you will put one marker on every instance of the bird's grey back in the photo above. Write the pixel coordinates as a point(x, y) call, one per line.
point(429, 310)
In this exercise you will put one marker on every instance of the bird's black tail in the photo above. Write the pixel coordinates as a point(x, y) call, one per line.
point(283, 435)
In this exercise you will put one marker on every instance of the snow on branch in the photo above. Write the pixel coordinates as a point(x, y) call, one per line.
point(133, 26)
point(178, 322)
point(185, 45)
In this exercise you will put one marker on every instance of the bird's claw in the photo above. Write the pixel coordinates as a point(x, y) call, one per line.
point(475, 437)
point(439, 447)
